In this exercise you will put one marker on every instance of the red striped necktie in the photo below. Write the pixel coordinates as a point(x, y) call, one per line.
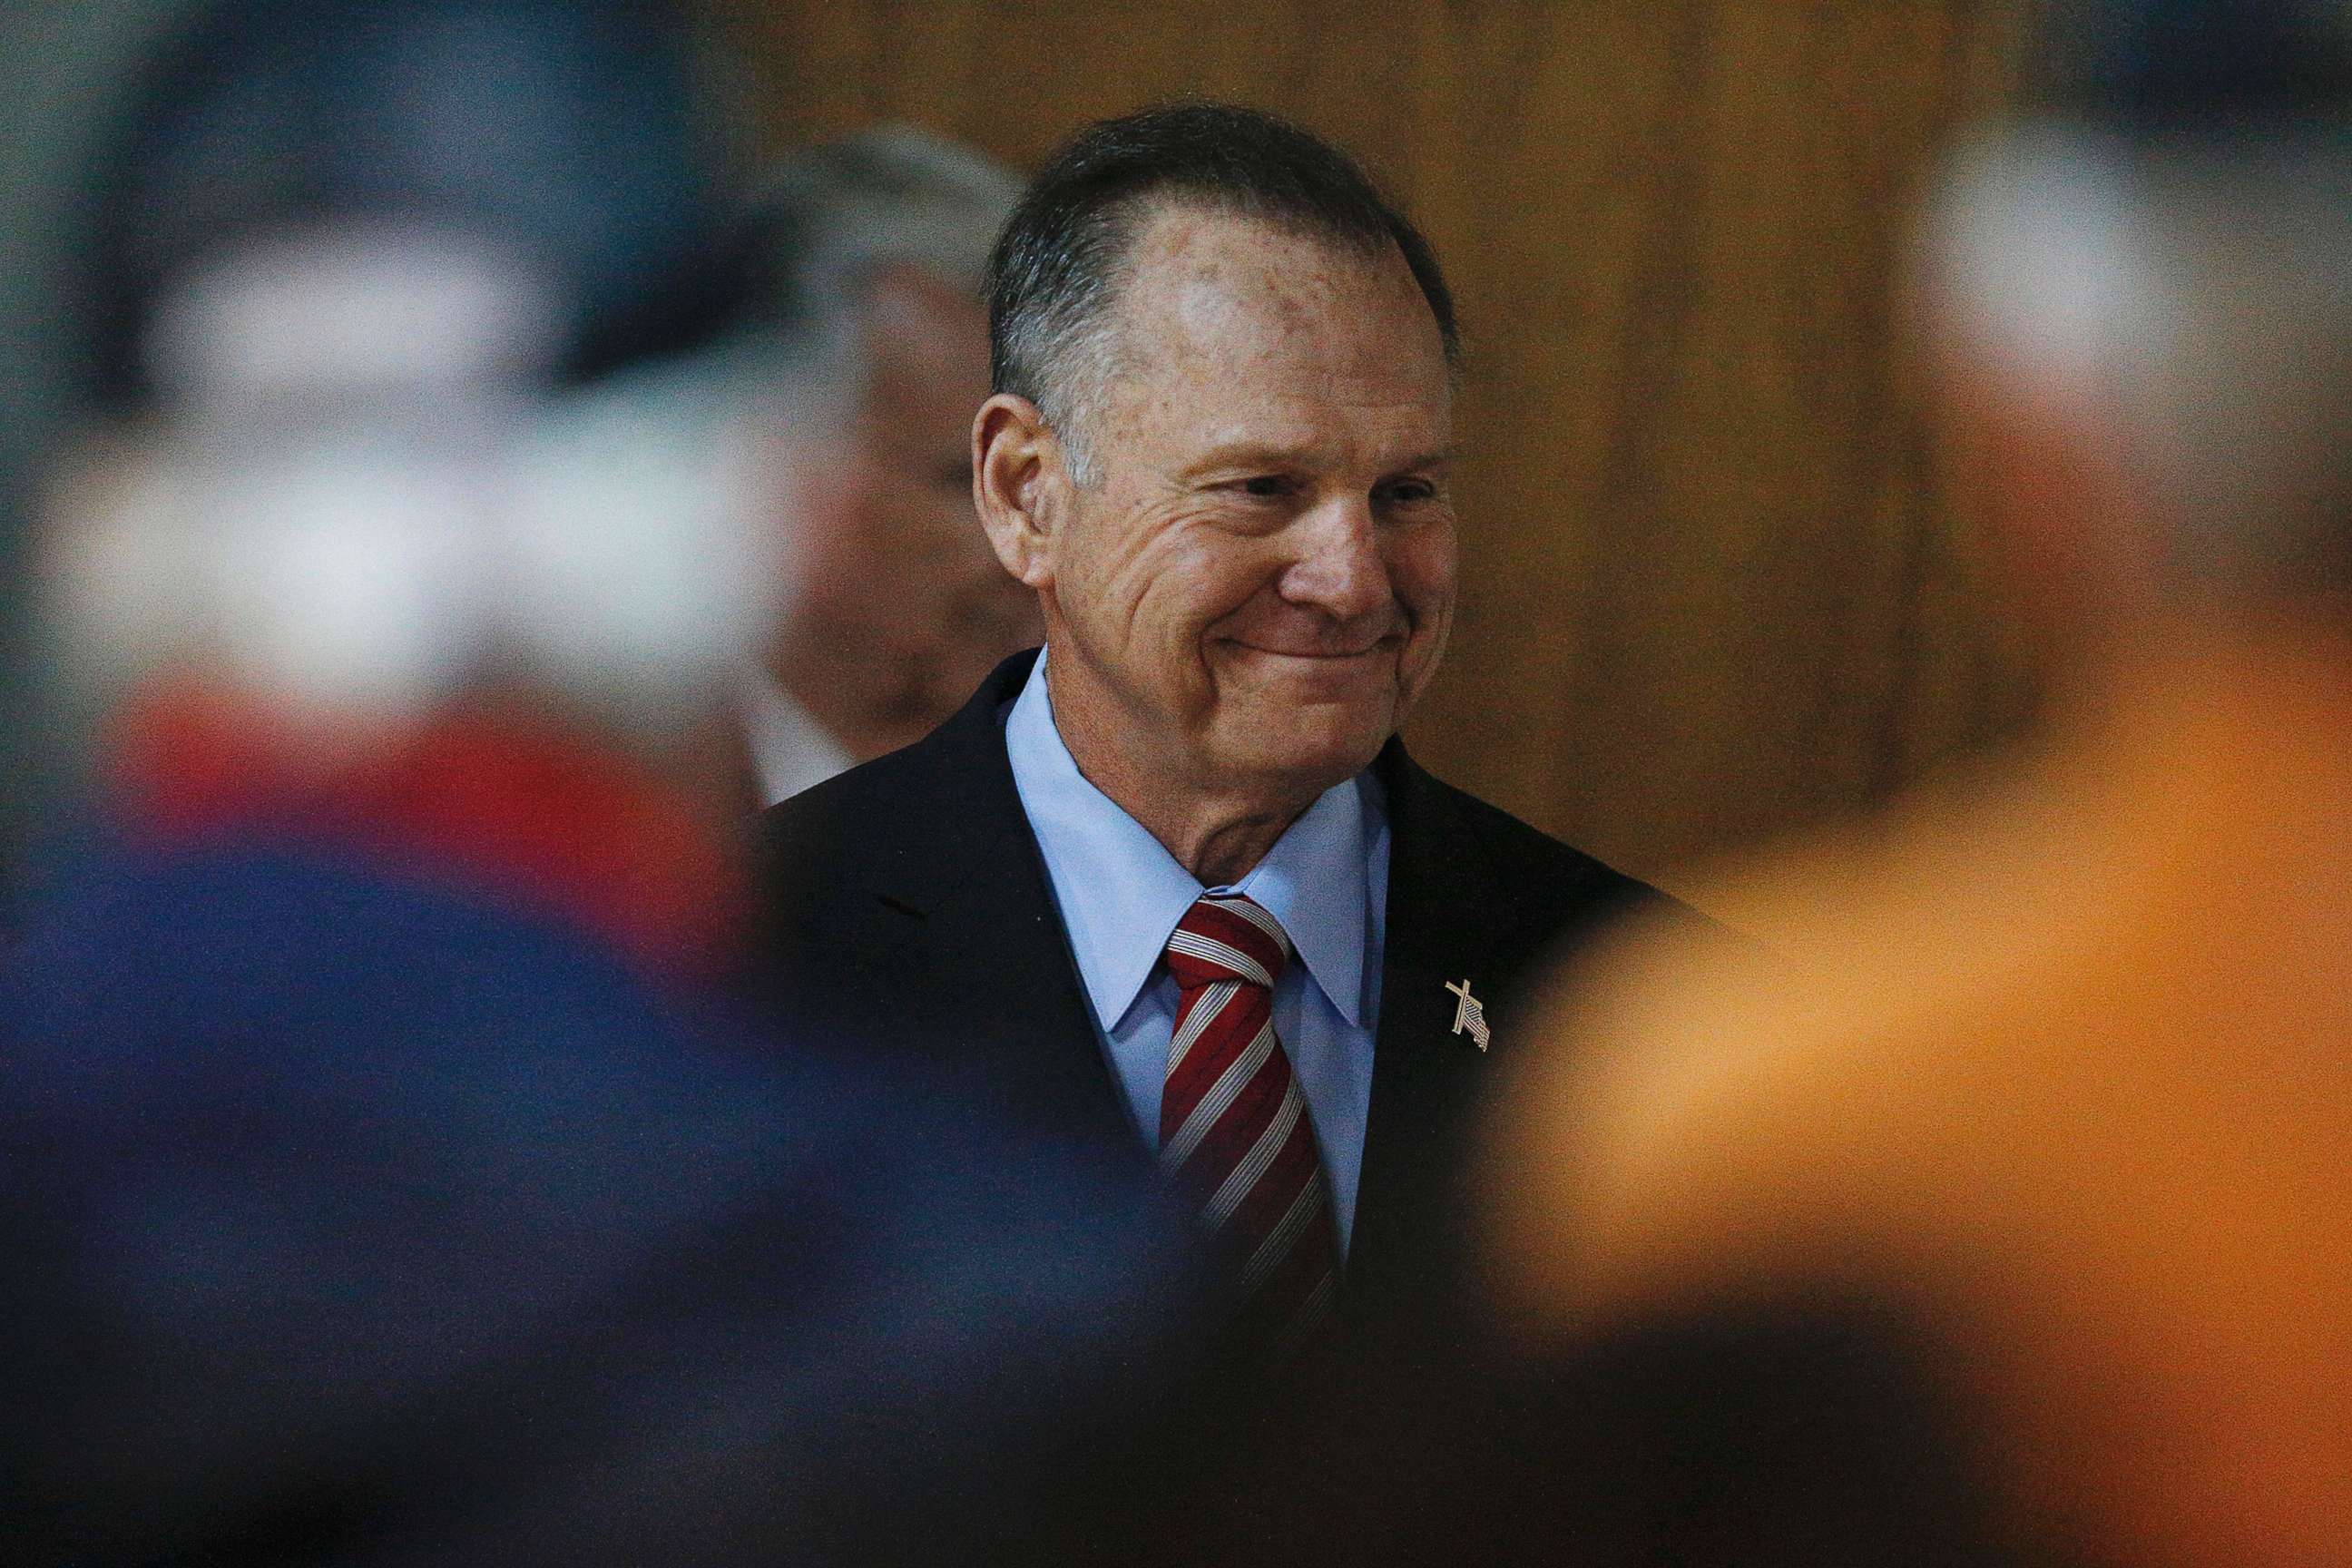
point(1235, 1139)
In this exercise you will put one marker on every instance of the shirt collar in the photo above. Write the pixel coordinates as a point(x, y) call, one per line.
point(1121, 893)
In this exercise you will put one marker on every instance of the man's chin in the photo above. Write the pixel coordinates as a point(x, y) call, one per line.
point(1302, 756)
point(1276, 680)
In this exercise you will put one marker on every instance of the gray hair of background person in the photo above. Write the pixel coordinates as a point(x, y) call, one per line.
point(2169, 231)
point(829, 219)
point(1058, 268)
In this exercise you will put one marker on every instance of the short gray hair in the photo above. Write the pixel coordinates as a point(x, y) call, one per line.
point(2199, 286)
point(831, 217)
point(1064, 257)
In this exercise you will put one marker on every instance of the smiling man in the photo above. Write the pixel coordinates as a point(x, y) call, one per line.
point(1173, 888)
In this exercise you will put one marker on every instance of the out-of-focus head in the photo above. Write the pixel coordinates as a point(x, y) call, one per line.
point(1218, 449)
point(577, 137)
point(867, 362)
point(369, 296)
point(2140, 284)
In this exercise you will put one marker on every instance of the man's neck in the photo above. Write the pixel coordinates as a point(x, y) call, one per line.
point(1217, 835)
point(1220, 850)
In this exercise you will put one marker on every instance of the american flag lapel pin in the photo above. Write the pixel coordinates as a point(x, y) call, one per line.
point(1469, 1013)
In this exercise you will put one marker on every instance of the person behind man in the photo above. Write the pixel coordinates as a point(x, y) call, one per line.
point(1171, 887)
point(388, 1175)
point(2055, 1063)
point(869, 354)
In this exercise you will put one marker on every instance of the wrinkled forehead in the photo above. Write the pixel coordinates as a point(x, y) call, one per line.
point(925, 340)
point(1208, 295)
point(907, 297)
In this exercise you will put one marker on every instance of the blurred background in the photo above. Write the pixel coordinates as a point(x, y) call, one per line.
point(1717, 583)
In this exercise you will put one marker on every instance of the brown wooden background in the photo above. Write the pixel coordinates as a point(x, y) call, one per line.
point(1712, 586)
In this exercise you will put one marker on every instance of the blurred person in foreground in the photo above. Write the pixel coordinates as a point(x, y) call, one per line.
point(869, 356)
point(386, 1177)
point(2054, 1068)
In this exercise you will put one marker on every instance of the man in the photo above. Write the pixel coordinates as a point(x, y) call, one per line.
point(1172, 889)
point(872, 353)
point(2054, 1065)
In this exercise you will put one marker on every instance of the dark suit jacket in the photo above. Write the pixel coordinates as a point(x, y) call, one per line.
point(912, 913)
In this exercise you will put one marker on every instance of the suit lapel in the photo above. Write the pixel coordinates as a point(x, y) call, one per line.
point(971, 954)
point(979, 957)
point(1449, 920)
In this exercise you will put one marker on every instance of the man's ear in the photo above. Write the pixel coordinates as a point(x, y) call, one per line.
point(1019, 486)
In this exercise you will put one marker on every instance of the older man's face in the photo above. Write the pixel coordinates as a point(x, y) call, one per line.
point(1259, 583)
point(899, 608)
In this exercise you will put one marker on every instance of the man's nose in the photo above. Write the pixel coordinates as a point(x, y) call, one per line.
point(1339, 568)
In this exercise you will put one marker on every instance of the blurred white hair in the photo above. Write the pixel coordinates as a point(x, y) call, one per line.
point(831, 217)
point(2203, 289)
point(358, 494)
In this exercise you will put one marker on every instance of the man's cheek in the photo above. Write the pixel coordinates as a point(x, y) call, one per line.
point(1424, 569)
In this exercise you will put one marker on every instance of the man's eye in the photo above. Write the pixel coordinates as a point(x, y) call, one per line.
point(1406, 492)
point(1265, 487)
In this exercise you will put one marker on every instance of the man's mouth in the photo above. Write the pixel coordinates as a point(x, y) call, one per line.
point(1327, 651)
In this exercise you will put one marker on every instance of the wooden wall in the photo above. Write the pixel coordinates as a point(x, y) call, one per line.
point(1711, 584)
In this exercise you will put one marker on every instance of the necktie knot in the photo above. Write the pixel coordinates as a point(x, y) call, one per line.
point(1227, 937)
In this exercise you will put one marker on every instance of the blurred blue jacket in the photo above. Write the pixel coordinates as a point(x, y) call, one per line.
point(353, 1216)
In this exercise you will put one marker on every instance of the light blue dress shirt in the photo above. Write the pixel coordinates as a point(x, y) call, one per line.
point(1121, 894)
